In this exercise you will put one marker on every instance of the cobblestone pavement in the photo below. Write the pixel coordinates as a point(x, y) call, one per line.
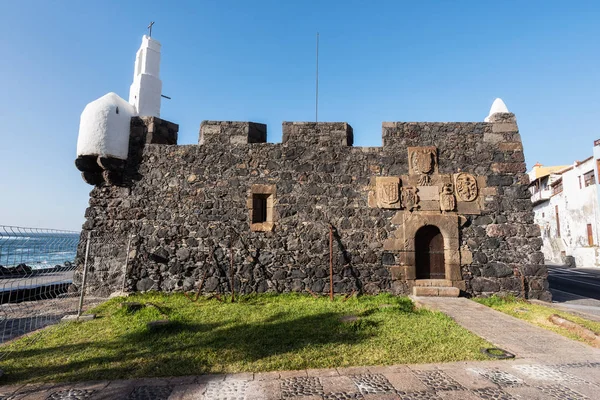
point(547, 366)
point(488, 380)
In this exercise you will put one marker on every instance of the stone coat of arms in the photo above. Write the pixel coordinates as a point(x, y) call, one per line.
point(447, 200)
point(423, 161)
point(466, 186)
point(388, 192)
point(410, 199)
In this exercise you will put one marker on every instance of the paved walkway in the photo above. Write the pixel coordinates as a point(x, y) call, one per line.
point(547, 366)
point(518, 337)
point(18, 319)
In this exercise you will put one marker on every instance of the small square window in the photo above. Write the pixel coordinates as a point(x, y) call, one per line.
point(261, 202)
point(259, 207)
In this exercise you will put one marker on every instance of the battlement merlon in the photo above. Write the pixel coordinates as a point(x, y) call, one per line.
point(318, 133)
point(500, 127)
point(232, 132)
point(152, 130)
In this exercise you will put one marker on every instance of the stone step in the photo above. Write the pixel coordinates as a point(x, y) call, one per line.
point(434, 282)
point(435, 291)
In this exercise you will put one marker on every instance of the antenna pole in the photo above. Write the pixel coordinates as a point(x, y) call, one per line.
point(317, 88)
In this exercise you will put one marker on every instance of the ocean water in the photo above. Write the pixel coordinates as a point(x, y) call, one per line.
point(37, 250)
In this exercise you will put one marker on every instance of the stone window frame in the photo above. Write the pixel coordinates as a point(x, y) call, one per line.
point(262, 190)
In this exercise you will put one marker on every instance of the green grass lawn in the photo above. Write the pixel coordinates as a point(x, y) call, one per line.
point(539, 314)
point(256, 333)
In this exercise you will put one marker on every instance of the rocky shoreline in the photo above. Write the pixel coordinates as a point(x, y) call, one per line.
point(24, 270)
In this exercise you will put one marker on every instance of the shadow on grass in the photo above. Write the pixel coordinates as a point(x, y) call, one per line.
point(182, 349)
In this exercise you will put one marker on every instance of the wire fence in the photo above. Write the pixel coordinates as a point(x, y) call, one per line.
point(42, 280)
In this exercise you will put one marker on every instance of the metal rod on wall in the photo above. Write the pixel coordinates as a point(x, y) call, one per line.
point(231, 271)
point(126, 264)
point(330, 262)
point(85, 271)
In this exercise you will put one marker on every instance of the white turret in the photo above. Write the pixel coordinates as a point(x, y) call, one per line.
point(498, 106)
point(104, 127)
point(145, 91)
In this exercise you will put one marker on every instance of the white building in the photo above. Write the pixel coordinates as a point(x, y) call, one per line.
point(565, 202)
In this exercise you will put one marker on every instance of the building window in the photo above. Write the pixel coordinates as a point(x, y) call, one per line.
point(543, 215)
point(589, 178)
point(580, 186)
point(259, 207)
point(261, 201)
point(590, 235)
point(557, 222)
point(557, 188)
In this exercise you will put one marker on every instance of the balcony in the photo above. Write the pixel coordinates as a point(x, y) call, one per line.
point(541, 196)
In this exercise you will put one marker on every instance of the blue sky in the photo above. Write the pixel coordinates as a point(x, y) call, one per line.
point(255, 60)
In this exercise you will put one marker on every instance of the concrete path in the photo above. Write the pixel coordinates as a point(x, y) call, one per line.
point(547, 366)
point(514, 335)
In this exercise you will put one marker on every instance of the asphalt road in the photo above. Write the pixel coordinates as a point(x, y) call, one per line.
point(575, 290)
point(584, 282)
point(35, 281)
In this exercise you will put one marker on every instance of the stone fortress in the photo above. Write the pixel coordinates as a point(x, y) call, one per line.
point(440, 209)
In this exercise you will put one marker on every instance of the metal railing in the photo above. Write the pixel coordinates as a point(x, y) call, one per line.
point(37, 248)
point(36, 274)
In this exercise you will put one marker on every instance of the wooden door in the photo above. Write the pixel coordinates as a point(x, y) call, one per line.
point(429, 253)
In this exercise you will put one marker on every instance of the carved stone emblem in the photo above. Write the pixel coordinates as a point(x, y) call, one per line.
point(410, 199)
point(388, 192)
point(422, 160)
point(447, 200)
point(424, 180)
point(466, 187)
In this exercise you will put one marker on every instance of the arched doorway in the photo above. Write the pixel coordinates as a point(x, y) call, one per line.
point(429, 253)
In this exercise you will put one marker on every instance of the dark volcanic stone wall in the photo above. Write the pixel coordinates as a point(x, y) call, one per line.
point(187, 205)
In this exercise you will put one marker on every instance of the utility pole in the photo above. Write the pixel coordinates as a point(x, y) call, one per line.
point(317, 88)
